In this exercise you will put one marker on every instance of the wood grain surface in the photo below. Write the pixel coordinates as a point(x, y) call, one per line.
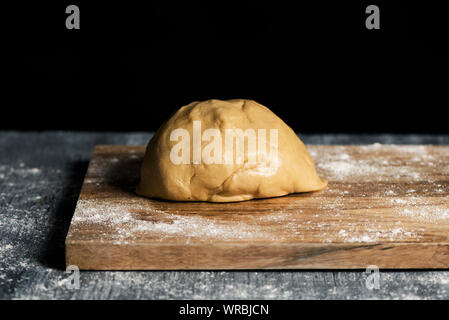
point(385, 205)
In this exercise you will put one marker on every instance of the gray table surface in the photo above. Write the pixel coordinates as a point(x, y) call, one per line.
point(40, 178)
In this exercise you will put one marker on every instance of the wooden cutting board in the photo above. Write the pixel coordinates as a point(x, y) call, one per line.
point(385, 205)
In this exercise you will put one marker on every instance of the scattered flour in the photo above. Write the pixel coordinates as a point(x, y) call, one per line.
point(30, 221)
point(339, 165)
point(127, 224)
point(337, 217)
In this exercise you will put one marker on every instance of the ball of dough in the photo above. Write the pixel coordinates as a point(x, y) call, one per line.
point(197, 155)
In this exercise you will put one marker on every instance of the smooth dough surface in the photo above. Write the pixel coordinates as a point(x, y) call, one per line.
point(292, 171)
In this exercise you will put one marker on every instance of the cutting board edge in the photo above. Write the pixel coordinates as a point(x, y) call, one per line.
point(133, 256)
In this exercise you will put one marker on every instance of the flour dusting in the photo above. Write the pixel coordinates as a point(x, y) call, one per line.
point(372, 197)
point(339, 165)
point(127, 225)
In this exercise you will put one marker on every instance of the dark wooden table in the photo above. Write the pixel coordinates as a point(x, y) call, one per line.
point(40, 179)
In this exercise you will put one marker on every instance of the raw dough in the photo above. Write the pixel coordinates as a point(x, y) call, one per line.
point(197, 179)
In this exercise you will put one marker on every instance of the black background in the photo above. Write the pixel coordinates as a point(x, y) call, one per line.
point(312, 62)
